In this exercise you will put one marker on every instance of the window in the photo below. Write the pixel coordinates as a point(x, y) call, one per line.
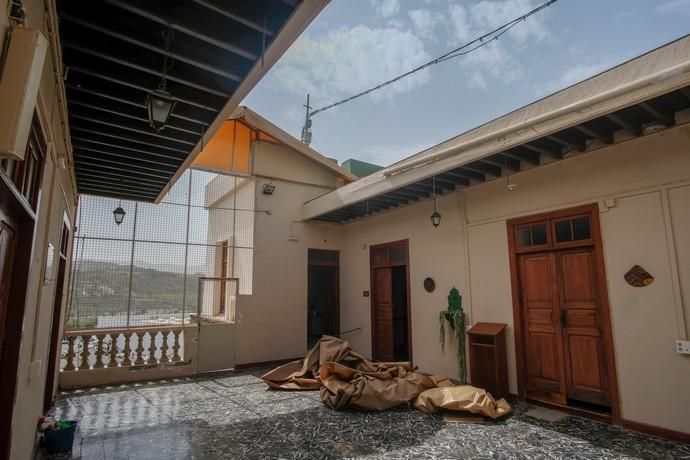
point(532, 235)
point(575, 229)
point(26, 175)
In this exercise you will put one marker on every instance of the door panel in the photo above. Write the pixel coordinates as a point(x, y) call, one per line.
point(587, 377)
point(545, 372)
point(8, 243)
point(383, 315)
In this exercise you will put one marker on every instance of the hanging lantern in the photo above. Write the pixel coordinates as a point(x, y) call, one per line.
point(160, 105)
point(119, 215)
point(159, 102)
point(436, 218)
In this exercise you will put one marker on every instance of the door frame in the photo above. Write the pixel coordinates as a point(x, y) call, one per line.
point(372, 296)
point(322, 263)
point(518, 320)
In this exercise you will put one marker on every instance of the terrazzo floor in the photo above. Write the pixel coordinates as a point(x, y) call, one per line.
point(233, 415)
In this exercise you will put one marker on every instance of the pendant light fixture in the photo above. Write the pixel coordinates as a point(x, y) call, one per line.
point(119, 214)
point(509, 183)
point(159, 102)
point(436, 216)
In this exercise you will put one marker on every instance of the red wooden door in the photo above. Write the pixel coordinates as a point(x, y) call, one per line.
point(8, 243)
point(383, 315)
point(543, 342)
point(586, 371)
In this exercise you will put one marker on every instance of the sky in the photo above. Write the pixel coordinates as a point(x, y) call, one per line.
point(356, 44)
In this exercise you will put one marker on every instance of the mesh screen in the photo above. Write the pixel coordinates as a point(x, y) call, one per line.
point(147, 270)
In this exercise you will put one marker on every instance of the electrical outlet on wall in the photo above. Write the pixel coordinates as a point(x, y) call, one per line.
point(683, 347)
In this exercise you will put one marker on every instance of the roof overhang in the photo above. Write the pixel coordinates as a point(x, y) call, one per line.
point(113, 53)
point(630, 100)
point(257, 121)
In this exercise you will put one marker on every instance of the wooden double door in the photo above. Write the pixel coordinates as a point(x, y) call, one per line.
point(559, 286)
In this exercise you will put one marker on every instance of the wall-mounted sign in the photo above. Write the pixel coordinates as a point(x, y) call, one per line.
point(50, 258)
point(429, 284)
point(638, 277)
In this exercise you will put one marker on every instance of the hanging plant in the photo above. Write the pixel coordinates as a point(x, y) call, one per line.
point(455, 317)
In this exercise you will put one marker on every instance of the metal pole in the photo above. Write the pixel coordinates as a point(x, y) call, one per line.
point(186, 246)
point(131, 264)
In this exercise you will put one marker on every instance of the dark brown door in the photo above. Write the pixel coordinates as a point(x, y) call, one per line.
point(323, 295)
point(383, 315)
point(586, 376)
point(539, 292)
point(8, 244)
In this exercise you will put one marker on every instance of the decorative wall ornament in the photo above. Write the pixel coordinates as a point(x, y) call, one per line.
point(638, 277)
point(456, 318)
point(429, 284)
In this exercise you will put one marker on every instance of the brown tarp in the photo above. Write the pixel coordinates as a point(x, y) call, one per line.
point(347, 379)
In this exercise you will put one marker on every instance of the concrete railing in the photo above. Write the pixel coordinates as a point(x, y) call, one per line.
point(109, 356)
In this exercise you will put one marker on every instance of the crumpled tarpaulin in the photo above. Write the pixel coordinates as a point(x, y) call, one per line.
point(347, 379)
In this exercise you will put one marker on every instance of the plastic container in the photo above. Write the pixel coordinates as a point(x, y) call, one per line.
point(60, 440)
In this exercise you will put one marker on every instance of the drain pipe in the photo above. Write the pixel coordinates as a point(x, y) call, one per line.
point(647, 80)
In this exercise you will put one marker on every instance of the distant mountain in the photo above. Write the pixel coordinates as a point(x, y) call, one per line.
point(101, 288)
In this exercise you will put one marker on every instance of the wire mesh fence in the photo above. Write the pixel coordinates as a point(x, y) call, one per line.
point(146, 270)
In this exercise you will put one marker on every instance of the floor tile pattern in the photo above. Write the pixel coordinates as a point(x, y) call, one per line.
point(233, 415)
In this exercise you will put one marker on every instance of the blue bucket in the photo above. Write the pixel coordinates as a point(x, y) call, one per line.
point(60, 440)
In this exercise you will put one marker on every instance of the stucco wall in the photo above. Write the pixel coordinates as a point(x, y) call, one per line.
point(272, 322)
point(649, 181)
point(56, 202)
point(434, 252)
point(647, 225)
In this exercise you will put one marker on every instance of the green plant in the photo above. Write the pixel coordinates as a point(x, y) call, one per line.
point(456, 319)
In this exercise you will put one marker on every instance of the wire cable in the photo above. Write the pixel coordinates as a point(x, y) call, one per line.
point(462, 50)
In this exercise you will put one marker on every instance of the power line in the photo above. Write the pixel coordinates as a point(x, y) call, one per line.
point(462, 50)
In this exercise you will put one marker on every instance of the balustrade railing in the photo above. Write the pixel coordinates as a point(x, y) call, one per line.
point(122, 348)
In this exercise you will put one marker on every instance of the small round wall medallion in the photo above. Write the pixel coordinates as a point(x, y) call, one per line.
point(429, 284)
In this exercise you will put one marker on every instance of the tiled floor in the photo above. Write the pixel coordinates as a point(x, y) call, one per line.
point(233, 415)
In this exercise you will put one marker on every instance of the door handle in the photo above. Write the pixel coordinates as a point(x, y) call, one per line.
point(564, 319)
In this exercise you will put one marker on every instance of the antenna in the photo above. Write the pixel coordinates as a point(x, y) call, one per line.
point(306, 129)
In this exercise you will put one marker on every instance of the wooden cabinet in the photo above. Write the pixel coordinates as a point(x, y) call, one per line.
point(488, 363)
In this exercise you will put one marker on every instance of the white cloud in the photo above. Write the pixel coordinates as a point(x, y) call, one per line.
point(674, 6)
point(495, 61)
point(426, 24)
point(386, 8)
point(348, 60)
point(488, 15)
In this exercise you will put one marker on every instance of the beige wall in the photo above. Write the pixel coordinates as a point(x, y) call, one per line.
point(56, 201)
point(647, 180)
point(434, 252)
point(272, 322)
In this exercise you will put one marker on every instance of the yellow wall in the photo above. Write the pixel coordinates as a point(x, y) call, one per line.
point(57, 200)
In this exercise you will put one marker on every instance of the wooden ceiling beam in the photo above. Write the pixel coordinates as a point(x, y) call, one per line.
point(543, 151)
point(606, 138)
point(663, 115)
point(622, 122)
point(571, 145)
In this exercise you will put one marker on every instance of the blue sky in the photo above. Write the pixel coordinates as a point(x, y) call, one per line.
point(356, 44)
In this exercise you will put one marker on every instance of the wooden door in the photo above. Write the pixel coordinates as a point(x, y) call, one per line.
point(563, 330)
point(544, 346)
point(382, 302)
point(8, 244)
point(581, 316)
